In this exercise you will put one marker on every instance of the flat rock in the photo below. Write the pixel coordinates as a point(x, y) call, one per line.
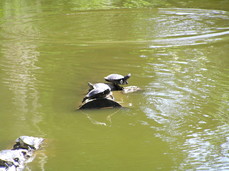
point(131, 89)
point(10, 159)
point(22, 153)
point(28, 142)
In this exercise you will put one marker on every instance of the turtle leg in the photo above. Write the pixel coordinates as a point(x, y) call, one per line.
point(111, 96)
point(85, 98)
point(118, 87)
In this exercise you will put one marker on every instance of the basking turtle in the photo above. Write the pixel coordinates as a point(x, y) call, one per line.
point(98, 86)
point(117, 78)
point(97, 93)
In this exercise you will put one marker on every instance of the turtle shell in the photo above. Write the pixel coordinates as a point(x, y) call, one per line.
point(117, 78)
point(97, 93)
point(113, 77)
point(100, 86)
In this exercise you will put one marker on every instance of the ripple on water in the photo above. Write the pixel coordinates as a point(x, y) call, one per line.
point(182, 27)
point(202, 146)
point(183, 97)
point(188, 97)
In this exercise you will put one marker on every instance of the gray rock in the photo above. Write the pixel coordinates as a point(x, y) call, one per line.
point(10, 159)
point(28, 142)
point(131, 89)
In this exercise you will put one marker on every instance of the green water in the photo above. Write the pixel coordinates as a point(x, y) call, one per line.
point(176, 51)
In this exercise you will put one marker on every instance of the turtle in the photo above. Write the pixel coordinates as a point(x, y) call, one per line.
point(97, 93)
point(28, 142)
point(117, 78)
point(98, 86)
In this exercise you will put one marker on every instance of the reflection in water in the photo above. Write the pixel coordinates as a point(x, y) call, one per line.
point(184, 98)
point(21, 58)
point(19, 63)
point(96, 120)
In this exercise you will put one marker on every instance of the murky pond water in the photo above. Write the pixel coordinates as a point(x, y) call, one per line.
point(177, 52)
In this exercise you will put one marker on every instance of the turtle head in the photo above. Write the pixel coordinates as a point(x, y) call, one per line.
point(90, 85)
point(124, 80)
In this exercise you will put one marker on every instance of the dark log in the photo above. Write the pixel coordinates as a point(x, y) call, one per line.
point(100, 103)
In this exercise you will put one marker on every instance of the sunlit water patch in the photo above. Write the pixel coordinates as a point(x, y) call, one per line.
point(211, 145)
point(188, 97)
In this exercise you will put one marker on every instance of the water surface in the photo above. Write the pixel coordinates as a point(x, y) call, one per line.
point(177, 52)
